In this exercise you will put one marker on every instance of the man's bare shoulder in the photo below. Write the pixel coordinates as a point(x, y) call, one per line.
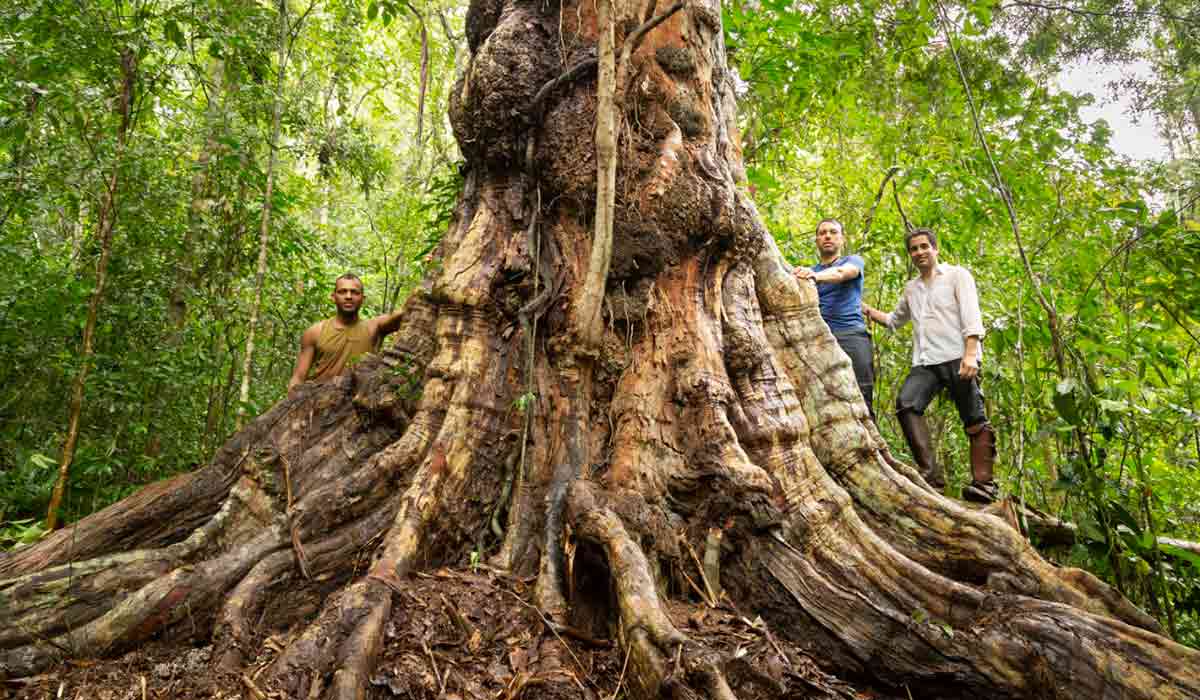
point(312, 332)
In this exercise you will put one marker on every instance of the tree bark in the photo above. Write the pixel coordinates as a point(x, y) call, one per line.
point(714, 399)
point(104, 232)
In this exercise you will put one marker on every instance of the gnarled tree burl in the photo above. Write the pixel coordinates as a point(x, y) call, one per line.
point(715, 399)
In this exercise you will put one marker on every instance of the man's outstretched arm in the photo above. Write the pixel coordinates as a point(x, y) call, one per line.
point(386, 324)
point(899, 316)
point(851, 267)
point(308, 348)
point(841, 273)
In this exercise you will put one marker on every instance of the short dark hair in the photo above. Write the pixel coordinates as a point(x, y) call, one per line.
point(349, 276)
point(920, 231)
point(830, 221)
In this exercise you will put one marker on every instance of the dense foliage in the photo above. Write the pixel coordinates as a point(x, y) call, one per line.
point(854, 111)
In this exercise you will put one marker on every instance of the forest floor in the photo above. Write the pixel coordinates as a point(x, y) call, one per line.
point(455, 635)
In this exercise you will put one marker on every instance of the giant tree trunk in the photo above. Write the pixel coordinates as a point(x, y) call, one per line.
point(715, 420)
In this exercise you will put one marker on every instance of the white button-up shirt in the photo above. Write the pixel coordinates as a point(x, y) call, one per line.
point(944, 313)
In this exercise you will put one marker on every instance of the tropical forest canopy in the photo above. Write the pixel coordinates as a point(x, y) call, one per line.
point(154, 151)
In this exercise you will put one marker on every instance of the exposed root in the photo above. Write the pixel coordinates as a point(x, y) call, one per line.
point(359, 493)
point(185, 591)
point(660, 659)
point(358, 655)
point(339, 649)
point(646, 628)
point(42, 605)
point(162, 513)
point(107, 602)
point(977, 547)
point(335, 655)
point(637, 594)
point(988, 643)
point(235, 628)
point(574, 458)
point(718, 688)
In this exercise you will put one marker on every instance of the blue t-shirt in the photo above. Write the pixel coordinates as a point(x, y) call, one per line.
point(841, 302)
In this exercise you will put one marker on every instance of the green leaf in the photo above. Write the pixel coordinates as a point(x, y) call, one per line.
point(41, 461)
point(1122, 515)
point(1111, 406)
point(1091, 533)
point(522, 402)
point(982, 12)
point(372, 10)
point(1180, 553)
point(174, 34)
point(1066, 400)
point(32, 534)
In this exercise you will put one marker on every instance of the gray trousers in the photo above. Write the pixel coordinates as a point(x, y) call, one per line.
point(857, 345)
point(926, 381)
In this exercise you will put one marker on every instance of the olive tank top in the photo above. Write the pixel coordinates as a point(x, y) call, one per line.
point(338, 346)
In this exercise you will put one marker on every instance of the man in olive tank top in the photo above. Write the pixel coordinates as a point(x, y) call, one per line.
point(328, 346)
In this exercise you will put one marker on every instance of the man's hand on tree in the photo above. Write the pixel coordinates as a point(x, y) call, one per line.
point(803, 273)
point(871, 313)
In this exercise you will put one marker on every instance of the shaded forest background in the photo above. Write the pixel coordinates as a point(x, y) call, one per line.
point(316, 132)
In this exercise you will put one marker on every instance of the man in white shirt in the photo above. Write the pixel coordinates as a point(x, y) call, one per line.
point(943, 306)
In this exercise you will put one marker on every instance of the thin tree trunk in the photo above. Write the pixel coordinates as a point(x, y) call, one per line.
point(229, 391)
point(1057, 341)
point(177, 302)
point(424, 86)
point(224, 261)
point(210, 415)
point(108, 215)
point(264, 234)
point(77, 234)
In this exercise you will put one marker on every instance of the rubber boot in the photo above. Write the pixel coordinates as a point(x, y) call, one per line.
point(982, 488)
point(916, 434)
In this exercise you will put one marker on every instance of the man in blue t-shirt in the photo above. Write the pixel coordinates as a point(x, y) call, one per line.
point(839, 280)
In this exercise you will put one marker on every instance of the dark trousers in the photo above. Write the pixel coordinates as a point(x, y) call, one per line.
point(925, 381)
point(857, 345)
